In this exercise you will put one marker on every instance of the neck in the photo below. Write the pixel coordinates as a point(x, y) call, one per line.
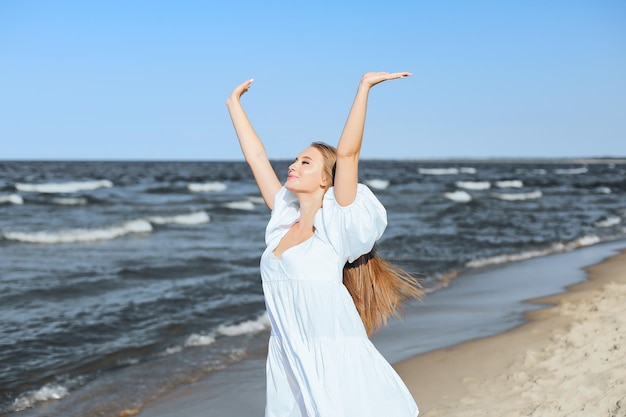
point(310, 203)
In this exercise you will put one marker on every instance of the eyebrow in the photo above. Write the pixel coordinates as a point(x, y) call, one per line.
point(305, 157)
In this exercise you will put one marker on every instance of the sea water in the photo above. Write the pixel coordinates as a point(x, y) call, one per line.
point(123, 280)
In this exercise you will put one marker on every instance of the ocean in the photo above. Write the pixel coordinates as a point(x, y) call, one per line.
point(121, 281)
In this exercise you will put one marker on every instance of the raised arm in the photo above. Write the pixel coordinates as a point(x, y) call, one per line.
point(252, 147)
point(349, 147)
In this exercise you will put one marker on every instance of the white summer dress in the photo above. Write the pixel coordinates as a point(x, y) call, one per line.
point(320, 361)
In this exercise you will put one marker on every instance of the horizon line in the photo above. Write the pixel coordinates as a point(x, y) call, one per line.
point(573, 159)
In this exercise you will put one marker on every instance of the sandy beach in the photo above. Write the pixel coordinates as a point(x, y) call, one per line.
point(568, 360)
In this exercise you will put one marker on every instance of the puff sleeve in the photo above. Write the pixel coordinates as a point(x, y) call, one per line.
point(352, 230)
point(285, 213)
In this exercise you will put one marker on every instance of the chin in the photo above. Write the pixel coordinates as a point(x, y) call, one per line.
point(291, 187)
point(297, 188)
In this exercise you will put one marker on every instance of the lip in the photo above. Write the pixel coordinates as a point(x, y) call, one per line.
point(290, 176)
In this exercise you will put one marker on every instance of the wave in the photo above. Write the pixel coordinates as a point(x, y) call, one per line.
point(64, 187)
point(467, 170)
point(256, 200)
point(474, 185)
point(198, 217)
point(81, 235)
point(45, 393)
point(206, 187)
point(108, 233)
point(378, 184)
point(79, 201)
point(11, 199)
point(509, 184)
point(608, 221)
point(458, 196)
point(247, 327)
point(261, 323)
point(50, 391)
point(603, 190)
point(197, 340)
point(533, 195)
point(501, 259)
point(587, 240)
point(570, 171)
point(438, 171)
point(240, 205)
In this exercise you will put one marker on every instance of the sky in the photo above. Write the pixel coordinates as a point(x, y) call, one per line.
point(148, 80)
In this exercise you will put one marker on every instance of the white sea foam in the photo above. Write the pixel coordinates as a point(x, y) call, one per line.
point(64, 187)
point(48, 392)
point(197, 187)
point(585, 241)
point(81, 235)
point(570, 171)
point(200, 340)
point(246, 327)
point(11, 199)
point(198, 217)
point(510, 184)
point(533, 195)
point(474, 185)
point(556, 248)
point(458, 196)
point(603, 190)
point(251, 326)
point(256, 200)
point(240, 205)
point(501, 259)
point(172, 350)
point(378, 184)
point(467, 170)
point(608, 221)
point(438, 171)
point(79, 201)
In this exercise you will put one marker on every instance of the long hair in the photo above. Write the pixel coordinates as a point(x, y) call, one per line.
point(377, 287)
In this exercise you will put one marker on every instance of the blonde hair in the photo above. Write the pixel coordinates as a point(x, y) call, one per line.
point(377, 287)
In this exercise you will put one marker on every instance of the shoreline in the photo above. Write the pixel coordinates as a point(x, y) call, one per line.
point(568, 359)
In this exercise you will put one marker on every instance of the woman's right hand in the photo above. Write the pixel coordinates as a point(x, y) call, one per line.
point(239, 91)
point(252, 147)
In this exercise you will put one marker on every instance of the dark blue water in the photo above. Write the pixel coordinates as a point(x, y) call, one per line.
point(113, 272)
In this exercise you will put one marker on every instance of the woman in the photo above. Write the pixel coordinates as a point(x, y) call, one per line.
point(321, 233)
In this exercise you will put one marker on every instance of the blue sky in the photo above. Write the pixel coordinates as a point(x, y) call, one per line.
point(148, 79)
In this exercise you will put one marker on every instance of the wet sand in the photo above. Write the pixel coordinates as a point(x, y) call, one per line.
point(568, 360)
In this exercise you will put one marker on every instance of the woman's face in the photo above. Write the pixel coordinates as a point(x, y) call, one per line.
point(306, 172)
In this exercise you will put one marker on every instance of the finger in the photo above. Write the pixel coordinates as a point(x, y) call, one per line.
point(246, 85)
point(401, 74)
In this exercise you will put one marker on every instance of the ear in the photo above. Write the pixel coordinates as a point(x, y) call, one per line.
point(324, 183)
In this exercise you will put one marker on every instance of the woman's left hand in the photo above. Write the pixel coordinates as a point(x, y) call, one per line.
point(370, 79)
